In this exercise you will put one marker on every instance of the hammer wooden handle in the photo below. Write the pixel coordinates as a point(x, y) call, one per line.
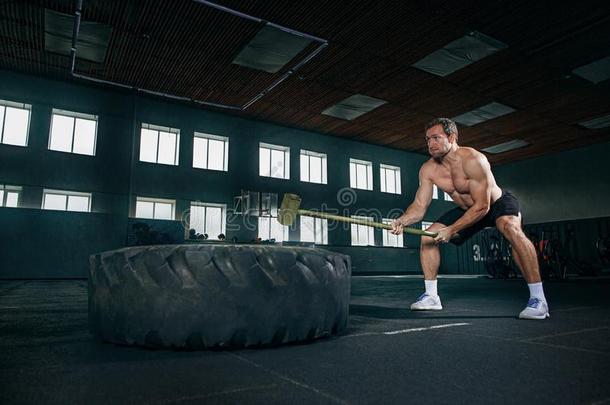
point(363, 222)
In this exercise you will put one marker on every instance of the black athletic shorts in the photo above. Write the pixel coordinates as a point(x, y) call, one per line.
point(507, 204)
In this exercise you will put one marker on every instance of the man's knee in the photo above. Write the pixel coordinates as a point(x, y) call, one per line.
point(510, 226)
point(427, 241)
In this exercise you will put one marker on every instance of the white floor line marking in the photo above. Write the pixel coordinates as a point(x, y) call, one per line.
point(217, 394)
point(290, 380)
point(574, 332)
point(398, 332)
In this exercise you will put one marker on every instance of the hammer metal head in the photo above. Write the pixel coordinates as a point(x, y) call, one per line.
point(289, 209)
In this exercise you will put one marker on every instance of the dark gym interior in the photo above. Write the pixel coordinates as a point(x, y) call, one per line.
point(140, 125)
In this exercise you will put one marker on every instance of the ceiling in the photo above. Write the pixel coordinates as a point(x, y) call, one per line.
point(184, 49)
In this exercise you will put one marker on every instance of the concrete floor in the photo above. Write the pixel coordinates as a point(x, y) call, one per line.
point(475, 351)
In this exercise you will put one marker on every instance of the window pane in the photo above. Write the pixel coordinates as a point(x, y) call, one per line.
point(163, 211)
point(277, 230)
point(167, 148)
point(216, 155)
point(316, 169)
point(200, 152)
point(2, 198)
point(84, 136)
point(213, 222)
point(263, 228)
point(304, 159)
point(16, 126)
point(148, 146)
point(2, 109)
point(382, 179)
point(369, 177)
point(324, 178)
point(307, 231)
point(144, 209)
point(352, 175)
point(325, 231)
point(264, 155)
point(277, 164)
point(55, 202)
point(61, 133)
point(391, 181)
point(197, 218)
point(361, 176)
point(363, 234)
point(320, 230)
point(434, 192)
point(78, 203)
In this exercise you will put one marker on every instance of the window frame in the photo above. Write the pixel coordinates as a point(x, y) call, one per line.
point(279, 148)
point(74, 115)
point(205, 206)
point(323, 166)
point(68, 194)
point(387, 236)
point(159, 128)
point(225, 150)
point(370, 232)
point(16, 105)
point(155, 200)
point(383, 168)
point(353, 181)
point(6, 189)
point(323, 223)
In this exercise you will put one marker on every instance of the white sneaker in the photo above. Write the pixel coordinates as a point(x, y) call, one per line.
point(427, 302)
point(535, 309)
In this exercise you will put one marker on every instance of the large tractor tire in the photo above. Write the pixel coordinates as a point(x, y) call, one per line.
point(217, 295)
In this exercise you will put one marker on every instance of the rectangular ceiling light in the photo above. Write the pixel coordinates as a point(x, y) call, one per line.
point(271, 49)
point(93, 38)
point(460, 53)
point(597, 123)
point(595, 72)
point(506, 146)
point(353, 107)
point(485, 113)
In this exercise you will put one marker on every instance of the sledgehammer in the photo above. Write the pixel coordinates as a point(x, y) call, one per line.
point(290, 209)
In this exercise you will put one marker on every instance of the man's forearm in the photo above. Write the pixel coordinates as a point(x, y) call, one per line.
point(470, 217)
point(411, 215)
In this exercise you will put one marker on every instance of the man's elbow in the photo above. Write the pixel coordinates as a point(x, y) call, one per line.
point(482, 209)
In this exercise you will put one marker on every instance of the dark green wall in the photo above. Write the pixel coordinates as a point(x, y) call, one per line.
point(563, 186)
point(116, 177)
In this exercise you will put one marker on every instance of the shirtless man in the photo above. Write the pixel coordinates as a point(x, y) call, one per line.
point(465, 174)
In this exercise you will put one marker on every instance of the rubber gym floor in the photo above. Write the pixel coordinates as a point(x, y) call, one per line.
point(474, 351)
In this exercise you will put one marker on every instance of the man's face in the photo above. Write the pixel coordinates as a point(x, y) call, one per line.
point(438, 142)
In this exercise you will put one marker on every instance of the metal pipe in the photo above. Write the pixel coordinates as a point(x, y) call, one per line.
point(75, 30)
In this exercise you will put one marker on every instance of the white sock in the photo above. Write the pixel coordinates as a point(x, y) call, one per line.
point(431, 288)
point(536, 291)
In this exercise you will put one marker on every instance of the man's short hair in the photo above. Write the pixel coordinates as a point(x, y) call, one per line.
point(448, 125)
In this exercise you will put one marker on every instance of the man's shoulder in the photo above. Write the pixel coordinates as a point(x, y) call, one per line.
point(468, 153)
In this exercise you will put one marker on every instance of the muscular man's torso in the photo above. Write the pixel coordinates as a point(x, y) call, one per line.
point(449, 176)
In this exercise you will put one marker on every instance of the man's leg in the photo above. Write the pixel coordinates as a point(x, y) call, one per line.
point(525, 256)
point(430, 257)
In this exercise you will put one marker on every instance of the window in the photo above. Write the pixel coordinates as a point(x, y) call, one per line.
point(360, 174)
point(425, 225)
point(66, 200)
point(14, 123)
point(362, 235)
point(434, 192)
point(447, 197)
point(274, 161)
point(390, 179)
point(388, 238)
point(159, 144)
point(314, 230)
point(211, 152)
point(313, 167)
point(270, 228)
point(208, 218)
point(73, 132)
point(9, 196)
point(155, 208)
